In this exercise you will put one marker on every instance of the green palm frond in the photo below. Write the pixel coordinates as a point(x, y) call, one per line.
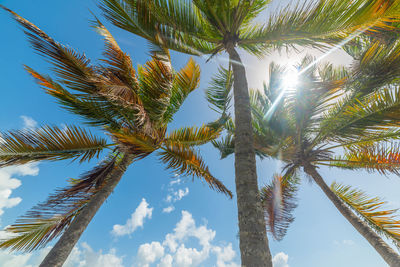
point(192, 136)
point(350, 118)
point(225, 145)
point(378, 66)
point(316, 22)
point(185, 82)
point(279, 200)
point(49, 143)
point(384, 222)
point(382, 157)
point(48, 220)
point(218, 94)
point(386, 135)
point(186, 161)
point(29, 236)
point(143, 19)
point(155, 82)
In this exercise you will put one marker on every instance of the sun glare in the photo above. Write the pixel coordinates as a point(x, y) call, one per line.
point(290, 79)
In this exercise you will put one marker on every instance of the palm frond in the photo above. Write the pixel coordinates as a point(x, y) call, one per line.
point(118, 79)
point(49, 143)
point(383, 157)
point(350, 118)
point(371, 210)
point(185, 82)
point(377, 66)
point(138, 143)
point(96, 110)
point(279, 200)
point(156, 22)
point(316, 22)
point(225, 145)
point(48, 220)
point(218, 94)
point(186, 161)
point(71, 67)
point(155, 82)
point(192, 136)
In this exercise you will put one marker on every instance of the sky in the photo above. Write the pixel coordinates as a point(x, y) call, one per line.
point(155, 218)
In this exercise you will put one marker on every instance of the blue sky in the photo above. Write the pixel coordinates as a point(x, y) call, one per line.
point(153, 217)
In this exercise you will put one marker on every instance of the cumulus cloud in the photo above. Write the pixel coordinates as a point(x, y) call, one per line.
point(149, 253)
point(224, 256)
point(8, 183)
point(137, 220)
point(280, 260)
point(29, 123)
point(173, 251)
point(83, 256)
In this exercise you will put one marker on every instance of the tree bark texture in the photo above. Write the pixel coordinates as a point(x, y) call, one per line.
point(386, 252)
point(60, 252)
point(254, 247)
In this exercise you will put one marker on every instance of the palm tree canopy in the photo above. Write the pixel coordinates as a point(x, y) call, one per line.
point(133, 106)
point(330, 119)
point(208, 27)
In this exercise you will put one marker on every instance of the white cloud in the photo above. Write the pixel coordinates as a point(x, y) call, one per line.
point(29, 123)
point(168, 209)
point(166, 261)
point(149, 253)
point(137, 220)
point(177, 180)
point(224, 255)
point(175, 252)
point(8, 183)
point(79, 257)
point(280, 260)
point(177, 195)
point(15, 260)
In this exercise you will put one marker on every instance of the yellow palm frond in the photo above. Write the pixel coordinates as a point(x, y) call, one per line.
point(384, 222)
point(192, 136)
point(138, 143)
point(186, 161)
point(186, 80)
point(382, 157)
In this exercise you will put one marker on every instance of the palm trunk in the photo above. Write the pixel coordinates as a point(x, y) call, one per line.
point(60, 252)
point(386, 252)
point(254, 248)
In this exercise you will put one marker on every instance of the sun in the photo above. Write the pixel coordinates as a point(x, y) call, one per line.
point(290, 79)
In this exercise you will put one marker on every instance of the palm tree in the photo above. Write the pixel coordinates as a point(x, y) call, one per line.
point(208, 27)
point(332, 118)
point(133, 107)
